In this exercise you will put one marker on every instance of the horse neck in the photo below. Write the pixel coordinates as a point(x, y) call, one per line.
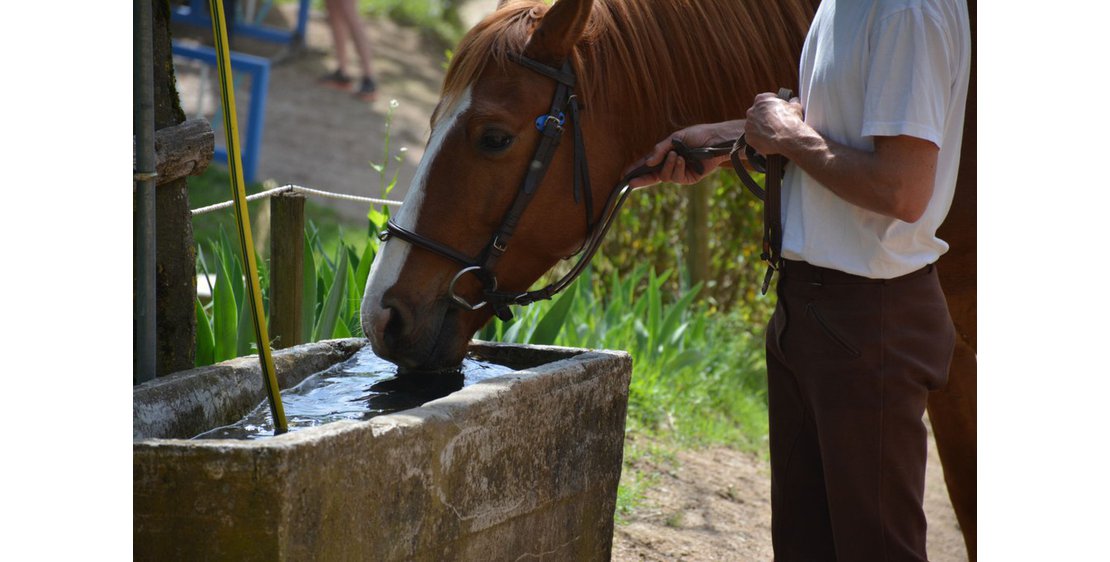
point(686, 64)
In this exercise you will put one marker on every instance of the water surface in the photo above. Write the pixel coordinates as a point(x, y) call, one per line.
point(359, 388)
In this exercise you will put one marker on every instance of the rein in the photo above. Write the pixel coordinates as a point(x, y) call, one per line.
point(772, 167)
point(551, 126)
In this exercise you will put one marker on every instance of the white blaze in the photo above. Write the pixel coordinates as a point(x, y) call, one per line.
point(387, 264)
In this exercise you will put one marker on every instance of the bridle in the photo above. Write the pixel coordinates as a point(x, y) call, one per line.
point(565, 105)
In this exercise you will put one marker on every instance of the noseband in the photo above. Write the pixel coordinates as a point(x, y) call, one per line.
point(564, 106)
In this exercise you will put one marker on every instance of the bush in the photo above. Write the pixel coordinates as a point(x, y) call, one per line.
point(697, 374)
point(652, 229)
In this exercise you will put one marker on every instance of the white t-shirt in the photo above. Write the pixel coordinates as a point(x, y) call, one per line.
point(878, 68)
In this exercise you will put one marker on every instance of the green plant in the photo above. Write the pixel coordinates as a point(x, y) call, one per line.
point(334, 280)
point(438, 18)
point(652, 229)
point(378, 217)
point(644, 459)
point(224, 324)
point(697, 374)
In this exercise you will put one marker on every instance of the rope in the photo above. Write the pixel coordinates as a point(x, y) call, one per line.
point(297, 189)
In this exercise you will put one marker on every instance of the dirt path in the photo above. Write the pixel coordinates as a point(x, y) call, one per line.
point(323, 138)
point(711, 504)
point(714, 505)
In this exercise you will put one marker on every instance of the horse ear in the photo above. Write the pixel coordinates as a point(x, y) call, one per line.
point(558, 31)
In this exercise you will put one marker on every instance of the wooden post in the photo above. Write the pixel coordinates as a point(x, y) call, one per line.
point(697, 230)
point(286, 269)
point(182, 150)
point(175, 276)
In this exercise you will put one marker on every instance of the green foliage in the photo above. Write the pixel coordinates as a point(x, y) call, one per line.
point(330, 313)
point(333, 286)
point(438, 18)
point(309, 298)
point(652, 228)
point(224, 310)
point(206, 345)
point(386, 181)
point(697, 374)
point(378, 217)
point(336, 264)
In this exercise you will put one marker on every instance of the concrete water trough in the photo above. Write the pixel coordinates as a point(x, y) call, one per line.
point(518, 467)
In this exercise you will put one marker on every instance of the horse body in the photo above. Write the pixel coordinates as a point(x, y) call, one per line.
point(644, 69)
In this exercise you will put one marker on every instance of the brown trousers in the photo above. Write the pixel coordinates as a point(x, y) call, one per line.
point(850, 363)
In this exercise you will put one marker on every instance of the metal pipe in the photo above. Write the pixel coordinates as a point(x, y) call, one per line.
point(145, 328)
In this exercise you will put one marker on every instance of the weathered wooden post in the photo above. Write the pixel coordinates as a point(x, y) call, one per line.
point(697, 230)
point(286, 269)
point(183, 149)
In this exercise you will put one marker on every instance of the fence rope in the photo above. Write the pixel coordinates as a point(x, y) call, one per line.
point(297, 189)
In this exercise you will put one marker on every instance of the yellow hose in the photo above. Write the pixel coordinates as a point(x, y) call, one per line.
point(239, 194)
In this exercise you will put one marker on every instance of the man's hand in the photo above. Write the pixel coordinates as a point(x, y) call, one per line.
point(772, 123)
point(674, 166)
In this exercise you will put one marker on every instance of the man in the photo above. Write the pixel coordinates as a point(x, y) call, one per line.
point(861, 331)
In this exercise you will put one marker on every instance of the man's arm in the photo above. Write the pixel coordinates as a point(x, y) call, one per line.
point(895, 180)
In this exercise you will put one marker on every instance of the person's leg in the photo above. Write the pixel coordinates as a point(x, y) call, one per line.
point(357, 31)
point(339, 38)
point(866, 357)
point(800, 525)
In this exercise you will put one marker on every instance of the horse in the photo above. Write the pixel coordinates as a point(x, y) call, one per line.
point(620, 75)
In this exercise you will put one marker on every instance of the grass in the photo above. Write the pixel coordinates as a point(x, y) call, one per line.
point(642, 459)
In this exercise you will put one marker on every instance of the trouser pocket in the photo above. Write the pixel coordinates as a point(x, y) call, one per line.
point(830, 331)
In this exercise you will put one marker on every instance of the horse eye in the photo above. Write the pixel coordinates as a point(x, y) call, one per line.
point(495, 141)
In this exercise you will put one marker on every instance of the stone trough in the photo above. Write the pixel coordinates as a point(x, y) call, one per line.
point(523, 466)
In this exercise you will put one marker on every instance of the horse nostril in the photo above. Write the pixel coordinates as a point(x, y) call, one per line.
point(391, 325)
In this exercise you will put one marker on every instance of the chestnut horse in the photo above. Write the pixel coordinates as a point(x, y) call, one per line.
point(641, 69)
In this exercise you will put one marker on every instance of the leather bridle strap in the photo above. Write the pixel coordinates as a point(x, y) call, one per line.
point(551, 133)
point(394, 230)
point(551, 127)
point(564, 76)
point(773, 168)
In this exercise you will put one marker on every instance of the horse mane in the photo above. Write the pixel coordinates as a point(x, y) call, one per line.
point(671, 63)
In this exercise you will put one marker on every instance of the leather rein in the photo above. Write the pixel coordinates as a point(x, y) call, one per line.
point(565, 106)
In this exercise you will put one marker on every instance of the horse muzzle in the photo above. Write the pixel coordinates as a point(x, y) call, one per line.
point(420, 339)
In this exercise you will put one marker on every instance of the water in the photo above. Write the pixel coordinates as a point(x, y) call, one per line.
point(360, 388)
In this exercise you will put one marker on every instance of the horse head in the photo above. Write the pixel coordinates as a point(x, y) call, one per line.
point(416, 310)
point(637, 70)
